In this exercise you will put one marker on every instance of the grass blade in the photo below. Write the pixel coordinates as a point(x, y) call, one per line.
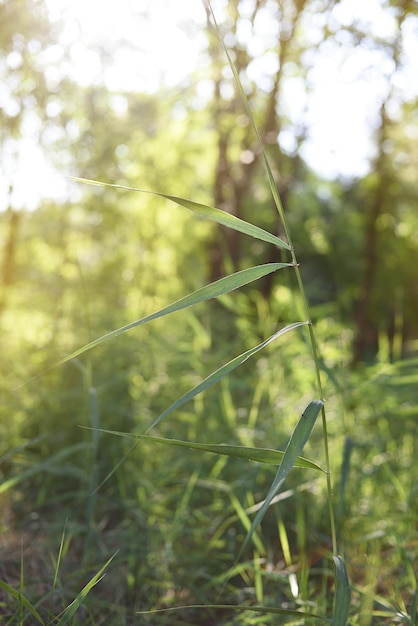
point(21, 584)
point(213, 290)
point(259, 455)
point(244, 99)
point(414, 609)
point(235, 607)
point(342, 593)
point(205, 384)
point(54, 463)
point(72, 608)
point(279, 207)
point(243, 517)
point(293, 449)
point(222, 372)
point(59, 561)
point(202, 210)
point(22, 600)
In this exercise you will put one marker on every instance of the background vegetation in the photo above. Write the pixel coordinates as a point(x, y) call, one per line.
point(82, 262)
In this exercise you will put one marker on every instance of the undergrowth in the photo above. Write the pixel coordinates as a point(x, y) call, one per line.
point(236, 508)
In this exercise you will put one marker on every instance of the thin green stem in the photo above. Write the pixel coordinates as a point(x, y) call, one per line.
point(323, 412)
point(280, 210)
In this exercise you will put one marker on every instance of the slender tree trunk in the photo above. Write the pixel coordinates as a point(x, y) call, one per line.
point(233, 181)
point(365, 344)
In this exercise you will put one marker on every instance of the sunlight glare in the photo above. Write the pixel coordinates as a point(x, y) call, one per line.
point(143, 45)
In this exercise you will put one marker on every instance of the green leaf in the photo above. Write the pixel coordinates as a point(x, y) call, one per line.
point(213, 290)
point(293, 449)
point(259, 455)
point(205, 384)
point(414, 609)
point(72, 608)
point(235, 607)
point(22, 600)
point(244, 99)
point(52, 465)
point(342, 593)
point(221, 373)
point(202, 210)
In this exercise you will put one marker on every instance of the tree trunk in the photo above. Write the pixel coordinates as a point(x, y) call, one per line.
point(365, 344)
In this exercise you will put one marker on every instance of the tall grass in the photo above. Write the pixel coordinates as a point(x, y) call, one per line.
point(25, 607)
point(302, 431)
point(252, 563)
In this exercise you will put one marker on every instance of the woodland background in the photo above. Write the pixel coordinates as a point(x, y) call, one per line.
point(79, 261)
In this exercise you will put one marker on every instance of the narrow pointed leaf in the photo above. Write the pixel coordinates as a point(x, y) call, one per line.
point(210, 380)
point(244, 99)
point(235, 607)
point(342, 593)
point(202, 210)
point(22, 600)
point(213, 290)
point(222, 372)
point(72, 608)
point(414, 609)
point(259, 455)
point(293, 449)
point(51, 465)
point(226, 219)
point(267, 456)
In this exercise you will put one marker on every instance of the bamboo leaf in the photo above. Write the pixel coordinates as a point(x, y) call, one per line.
point(205, 384)
point(293, 449)
point(267, 456)
point(221, 373)
point(342, 593)
point(213, 290)
point(202, 210)
point(259, 455)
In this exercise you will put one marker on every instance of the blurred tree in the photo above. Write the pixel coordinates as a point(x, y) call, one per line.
point(98, 258)
point(24, 31)
point(343, 241)
point(374, 310)
point(116, 245)
point(110, 238)
point(266, 30)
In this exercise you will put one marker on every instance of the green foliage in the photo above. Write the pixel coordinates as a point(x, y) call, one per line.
point(85, 268)
point(342, 593)
point(261, 455)
point(66, 615)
